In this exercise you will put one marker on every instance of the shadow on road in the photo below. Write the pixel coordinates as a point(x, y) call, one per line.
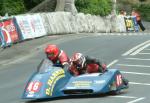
point(73, 97)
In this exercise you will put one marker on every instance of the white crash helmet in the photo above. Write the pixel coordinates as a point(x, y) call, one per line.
point(78, 59)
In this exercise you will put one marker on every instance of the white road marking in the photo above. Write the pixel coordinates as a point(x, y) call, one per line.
point(124, 97)
point(135, 83)
point(136, 73)
point(143, 53)
point(136, 100)
point(16, 60)
point(134, 48)
point(140, 49)
point(136, 59)
point(144, 66)
point(113, 62)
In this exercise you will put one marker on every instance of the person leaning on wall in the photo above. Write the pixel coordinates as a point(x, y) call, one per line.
point(138, 18)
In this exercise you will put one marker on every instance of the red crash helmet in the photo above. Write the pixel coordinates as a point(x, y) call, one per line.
point(52, 52)
point(78, 59)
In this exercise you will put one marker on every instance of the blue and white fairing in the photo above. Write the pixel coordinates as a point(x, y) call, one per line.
point(50, 81)
point(46, 82)
point(95, 83)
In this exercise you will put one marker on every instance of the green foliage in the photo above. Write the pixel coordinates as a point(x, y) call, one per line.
point(29, 4)
point(1, 3)
point(12, 7)
point(144, 10)
point(142, 0)
point(96, 7)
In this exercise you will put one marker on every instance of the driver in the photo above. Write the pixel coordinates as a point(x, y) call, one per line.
point(57, 56)
point(81, 64)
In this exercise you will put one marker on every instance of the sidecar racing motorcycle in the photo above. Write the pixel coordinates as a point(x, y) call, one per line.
point(51, 81)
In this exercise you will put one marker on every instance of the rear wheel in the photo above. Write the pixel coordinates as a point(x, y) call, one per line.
point(125, 82)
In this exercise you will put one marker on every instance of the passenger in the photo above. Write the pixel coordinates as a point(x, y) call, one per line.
point(123, 13)
point(81, 64)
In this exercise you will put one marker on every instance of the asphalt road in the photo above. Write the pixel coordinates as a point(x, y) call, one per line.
point(129, 53)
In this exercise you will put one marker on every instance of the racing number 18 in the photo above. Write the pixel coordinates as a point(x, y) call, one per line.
point(119, 79)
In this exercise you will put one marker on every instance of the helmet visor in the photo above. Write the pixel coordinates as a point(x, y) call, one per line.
point(50, 54)
point(77, 63)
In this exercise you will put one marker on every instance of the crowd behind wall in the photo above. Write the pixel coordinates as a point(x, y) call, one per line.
point(28, 26)
point(137, 16)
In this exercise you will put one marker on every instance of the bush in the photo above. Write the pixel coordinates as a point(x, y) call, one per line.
point(144, 10)
point(96, 7)
point(12, 7)
point(29, 4)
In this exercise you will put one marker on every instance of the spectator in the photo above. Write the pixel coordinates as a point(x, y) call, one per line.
point(138, 18)
point(81, 64)
point(122, 12)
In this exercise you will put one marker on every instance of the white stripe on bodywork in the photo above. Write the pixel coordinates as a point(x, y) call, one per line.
point(92, 74)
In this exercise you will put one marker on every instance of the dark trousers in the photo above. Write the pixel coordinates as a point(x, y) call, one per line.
point(141, 25)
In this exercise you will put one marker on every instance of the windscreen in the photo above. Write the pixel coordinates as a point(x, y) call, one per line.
point(45, 66)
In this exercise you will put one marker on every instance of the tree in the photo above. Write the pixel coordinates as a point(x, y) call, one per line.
point(12, 7)
point(29, 4)
point(142, 0)
point(1, 3)
point(96, 7)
